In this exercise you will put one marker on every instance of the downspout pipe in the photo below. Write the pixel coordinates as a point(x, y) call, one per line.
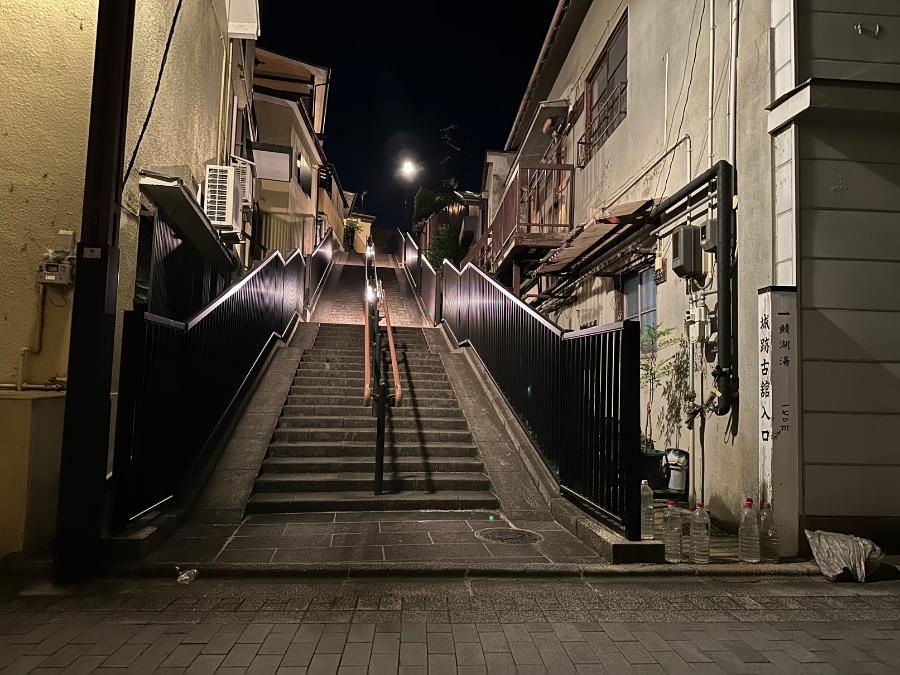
point(725, 381)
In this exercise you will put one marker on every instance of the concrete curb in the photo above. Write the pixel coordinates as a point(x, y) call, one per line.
point(409, 570)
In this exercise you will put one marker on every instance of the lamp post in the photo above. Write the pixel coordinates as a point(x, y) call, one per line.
point(408, 171)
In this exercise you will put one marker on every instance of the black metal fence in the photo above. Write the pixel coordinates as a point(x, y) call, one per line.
point(319, 263)
point(411, 258)
point(181, 382)
point(422, 275)
point(576, 392)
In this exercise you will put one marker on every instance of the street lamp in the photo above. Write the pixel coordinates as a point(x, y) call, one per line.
point(408, 171)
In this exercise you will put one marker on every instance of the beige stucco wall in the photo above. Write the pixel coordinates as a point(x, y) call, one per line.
point(45, 72)
point(657, 33)
point(29, 468)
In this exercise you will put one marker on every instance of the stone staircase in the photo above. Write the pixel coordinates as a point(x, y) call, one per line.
point(322, 454)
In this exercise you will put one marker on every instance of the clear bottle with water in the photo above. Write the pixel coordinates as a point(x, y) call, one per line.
point(768, 534)
point(672, 533)
point(700, 535)
point(646, 510)
point(748, 534)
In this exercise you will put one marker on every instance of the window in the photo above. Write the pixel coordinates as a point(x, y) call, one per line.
point(639, 289)
point(304, 175)
point(605, 92)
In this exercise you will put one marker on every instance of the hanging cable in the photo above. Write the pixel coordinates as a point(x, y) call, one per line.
point(159, 76)
point(686, 98)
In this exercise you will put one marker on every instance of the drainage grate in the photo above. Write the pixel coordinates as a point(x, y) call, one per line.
point(505, 535)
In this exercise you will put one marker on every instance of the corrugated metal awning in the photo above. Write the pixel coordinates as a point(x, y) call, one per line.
point(618, 219)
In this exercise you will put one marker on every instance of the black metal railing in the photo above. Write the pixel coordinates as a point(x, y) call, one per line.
point(319, 263)
point(182, 383)
point(411, 258)
point(576, 392)
point(422, 276)
point(376, 362)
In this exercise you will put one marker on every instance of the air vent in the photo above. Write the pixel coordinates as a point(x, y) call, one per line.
point(244, 169)
point(222, 199)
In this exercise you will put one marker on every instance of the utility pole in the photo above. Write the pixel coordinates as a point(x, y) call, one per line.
point(82, 478)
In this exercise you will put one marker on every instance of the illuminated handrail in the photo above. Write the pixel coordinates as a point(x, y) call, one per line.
point(367, 384)
point(395, 369)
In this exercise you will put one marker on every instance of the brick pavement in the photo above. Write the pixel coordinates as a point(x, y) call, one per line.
point(366, 536)
point(465, 625)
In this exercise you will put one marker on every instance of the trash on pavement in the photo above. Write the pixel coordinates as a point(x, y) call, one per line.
point(837, 553)
point(185, 577)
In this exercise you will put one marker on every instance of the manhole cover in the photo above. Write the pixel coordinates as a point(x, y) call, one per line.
point(505, 535)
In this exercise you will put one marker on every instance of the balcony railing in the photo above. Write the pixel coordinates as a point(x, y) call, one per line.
point(539, 199)
point(602, 119)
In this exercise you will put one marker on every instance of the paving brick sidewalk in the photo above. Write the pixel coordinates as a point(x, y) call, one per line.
point(474, 625)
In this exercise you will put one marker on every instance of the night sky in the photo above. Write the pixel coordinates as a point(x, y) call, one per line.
point(403, 71)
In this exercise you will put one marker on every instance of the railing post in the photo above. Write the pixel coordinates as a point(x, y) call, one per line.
point(630, 426)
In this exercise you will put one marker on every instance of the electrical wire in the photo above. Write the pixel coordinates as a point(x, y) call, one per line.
point(686, 98)
point(159, 76)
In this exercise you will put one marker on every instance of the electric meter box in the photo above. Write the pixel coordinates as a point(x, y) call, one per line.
point(687, 260)
point(709, 236)
point(51, 273)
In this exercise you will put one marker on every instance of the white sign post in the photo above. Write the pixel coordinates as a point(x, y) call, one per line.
point(779, 412)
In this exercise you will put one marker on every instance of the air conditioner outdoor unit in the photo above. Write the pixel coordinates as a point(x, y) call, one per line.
point(244, 169)
point(222, 200)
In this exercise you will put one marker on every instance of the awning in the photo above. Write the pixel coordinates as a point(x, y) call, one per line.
point(185, 214)
point(617, 220)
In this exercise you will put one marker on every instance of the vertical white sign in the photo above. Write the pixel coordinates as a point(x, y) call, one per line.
point(779, 411)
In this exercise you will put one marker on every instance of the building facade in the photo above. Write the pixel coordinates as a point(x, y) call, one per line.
point(633, 104)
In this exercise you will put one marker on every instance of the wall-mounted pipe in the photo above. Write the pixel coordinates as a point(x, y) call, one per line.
point(726, 383)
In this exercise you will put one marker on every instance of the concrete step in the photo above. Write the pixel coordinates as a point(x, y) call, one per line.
point(350, 373)
point(357, 422)
point(357, 352)
point(360, 482)
point(366, 411)
point(357, 358)
point(352, 394)
point(353, 398)
point(366, 450)
point(400, 344)
point(357, 383)
point(451, 500)
point(359, 366)
point(392, 435)
point(315, 465)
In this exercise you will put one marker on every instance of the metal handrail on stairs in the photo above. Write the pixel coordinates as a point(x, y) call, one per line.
point(376, 368)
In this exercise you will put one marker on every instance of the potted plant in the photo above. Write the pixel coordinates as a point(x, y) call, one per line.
point(655, 369)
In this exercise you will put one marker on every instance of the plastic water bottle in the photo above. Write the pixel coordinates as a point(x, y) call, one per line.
point(700, 535)
point(748, 534)
point(768, 534)
point(672, 533)
point(646, 510)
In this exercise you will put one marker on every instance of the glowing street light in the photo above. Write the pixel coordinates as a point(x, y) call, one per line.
point(408, 169)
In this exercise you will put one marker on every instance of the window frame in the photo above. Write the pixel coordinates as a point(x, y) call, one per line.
point(620, 32)
point(645, 276)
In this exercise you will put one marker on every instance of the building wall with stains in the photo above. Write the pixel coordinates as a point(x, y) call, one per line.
point(668, 67)
point(47, 69)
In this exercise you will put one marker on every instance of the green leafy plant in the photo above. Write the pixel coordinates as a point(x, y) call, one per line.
point(444, 245)
point(655, 367)
point(426, 202)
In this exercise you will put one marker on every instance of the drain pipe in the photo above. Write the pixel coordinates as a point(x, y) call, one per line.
point(725, 382)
